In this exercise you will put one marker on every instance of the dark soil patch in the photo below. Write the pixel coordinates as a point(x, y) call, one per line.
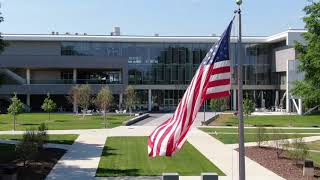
point(283, 166)
point(39, 168)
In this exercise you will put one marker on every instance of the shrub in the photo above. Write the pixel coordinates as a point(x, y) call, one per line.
point(299, 150)
point(42, 135)
point(280, 142)
point(248, 107)
point(219, 105)
point(27, 149)
point(261, 136)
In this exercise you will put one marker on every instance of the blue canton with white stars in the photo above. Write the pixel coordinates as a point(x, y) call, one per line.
point(220, 50)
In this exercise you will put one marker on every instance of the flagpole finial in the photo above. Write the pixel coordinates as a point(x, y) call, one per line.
point(239, 2)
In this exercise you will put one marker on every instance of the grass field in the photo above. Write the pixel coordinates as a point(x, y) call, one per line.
point(127, 156)
point(271, 121)
point(53, 138)
point(315, 156)
point(315, 145)
point(60, 121)
point(229, 136)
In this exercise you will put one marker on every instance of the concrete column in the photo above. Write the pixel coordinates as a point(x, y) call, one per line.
point(120, 100)
point(263, 104)
point(75, 76)
point(234, 96)
point(276, 103)
point(28, 100)
point(149, 100)
point(28, 76)
point(300, 110)
point(287, 88)
point(287, 102)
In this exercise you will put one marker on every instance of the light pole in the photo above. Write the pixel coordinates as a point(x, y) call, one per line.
point(242, 174)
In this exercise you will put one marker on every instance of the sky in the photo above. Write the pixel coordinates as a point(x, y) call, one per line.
point(146, 17)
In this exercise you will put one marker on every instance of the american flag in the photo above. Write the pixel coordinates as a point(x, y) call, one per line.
point(212, 80)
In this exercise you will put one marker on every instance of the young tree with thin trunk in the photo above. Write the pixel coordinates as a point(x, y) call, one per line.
point(74, 96)
point(130, 98)
point(103, 101)
point(248, 107)
point(48, 105)
point(15, 108)
point(84, 98)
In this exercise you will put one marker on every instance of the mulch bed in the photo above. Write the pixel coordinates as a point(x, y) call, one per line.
point(283, 166)
point(41, 166)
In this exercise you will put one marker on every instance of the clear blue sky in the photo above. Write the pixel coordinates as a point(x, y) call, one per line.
point(146, 17)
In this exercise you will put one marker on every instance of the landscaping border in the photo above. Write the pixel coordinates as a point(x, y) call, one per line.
point(136, 119)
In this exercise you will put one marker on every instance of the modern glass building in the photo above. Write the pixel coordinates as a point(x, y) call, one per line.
point(159, 68)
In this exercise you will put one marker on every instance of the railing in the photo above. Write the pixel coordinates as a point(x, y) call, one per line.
point(55, 81)
point(70, 81)
point(96, 81)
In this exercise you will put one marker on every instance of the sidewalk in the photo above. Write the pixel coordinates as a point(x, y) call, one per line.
point(82, 159)
point(226, 158)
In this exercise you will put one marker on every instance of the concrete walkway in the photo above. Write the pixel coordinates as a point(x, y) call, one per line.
point(157, 119)
point(226, 158)
point(82, 159)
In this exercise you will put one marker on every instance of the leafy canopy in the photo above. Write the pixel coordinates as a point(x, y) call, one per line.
point(309, 56)
point(16, 106)
point(104, 98)
point(48, 104)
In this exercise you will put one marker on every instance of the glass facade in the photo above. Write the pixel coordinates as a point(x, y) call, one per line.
point(175, 63)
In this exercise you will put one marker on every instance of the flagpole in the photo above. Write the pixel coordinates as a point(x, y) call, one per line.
point(242, 175)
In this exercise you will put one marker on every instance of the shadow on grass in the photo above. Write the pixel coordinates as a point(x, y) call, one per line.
point(104, 172)
point(28, 124)
point(107, 151)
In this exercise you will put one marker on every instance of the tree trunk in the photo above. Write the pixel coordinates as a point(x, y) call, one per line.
point(14, 122)
point(84, 111)
point(130, 111)
point(105, 119)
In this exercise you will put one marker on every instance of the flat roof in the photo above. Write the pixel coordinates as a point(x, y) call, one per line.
point(283, 36)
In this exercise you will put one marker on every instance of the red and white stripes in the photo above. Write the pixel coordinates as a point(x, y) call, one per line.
point(212, 80)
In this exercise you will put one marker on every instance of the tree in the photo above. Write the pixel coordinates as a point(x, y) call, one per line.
point(130, 97)
point(48, 105)
point(15, 108)
point(219, 105)
point(3, 44)
point(248, 106)
point(84, 98)
point(74, 96)
point(103, 101)
point(261, 136)
point(280, 141)
point(299, 150)
point(309, 56)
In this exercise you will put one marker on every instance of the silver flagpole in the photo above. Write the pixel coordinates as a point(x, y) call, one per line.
point(242, 174)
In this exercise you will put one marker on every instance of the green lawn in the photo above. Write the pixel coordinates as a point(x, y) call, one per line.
point(7, 153)
point(315, 156)
point(127, 156)
point(254, 130)
point(250, 135)
point(315, 145)
point(53, 138)
point(60, 121)
point(273, 121)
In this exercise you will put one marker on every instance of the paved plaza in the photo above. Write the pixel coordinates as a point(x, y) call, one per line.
point(82, 158)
